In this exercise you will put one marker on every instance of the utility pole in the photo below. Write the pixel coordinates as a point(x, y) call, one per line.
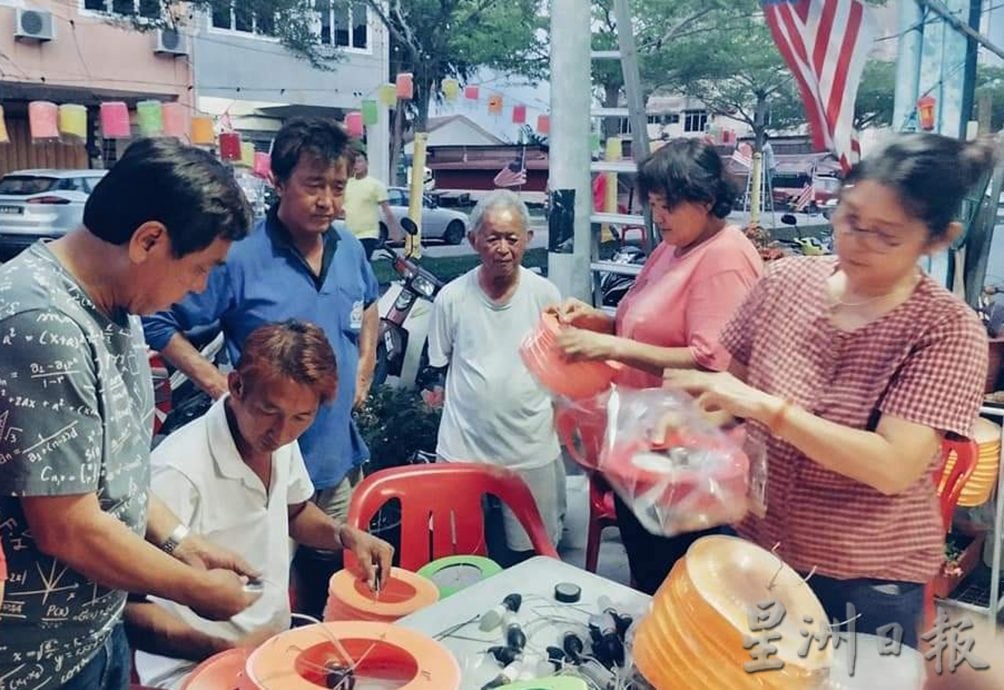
point(569, 155)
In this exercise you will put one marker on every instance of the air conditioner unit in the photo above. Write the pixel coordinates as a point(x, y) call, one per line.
point(33, 25)
point(170, 42)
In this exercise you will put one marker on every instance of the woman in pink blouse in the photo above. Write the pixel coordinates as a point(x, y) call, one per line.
point(673, 314)
point(849, 370)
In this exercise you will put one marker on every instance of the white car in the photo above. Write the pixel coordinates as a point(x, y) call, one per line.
point(36, 204)
point(437, 223)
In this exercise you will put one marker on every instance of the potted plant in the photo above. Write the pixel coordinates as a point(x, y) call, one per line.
point(962, 553)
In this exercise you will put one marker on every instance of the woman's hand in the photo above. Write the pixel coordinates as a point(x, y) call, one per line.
point(582, 345)
point(575, 312)
point(723, 392)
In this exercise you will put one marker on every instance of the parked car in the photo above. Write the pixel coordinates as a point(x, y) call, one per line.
point(36, 204)
point(438, 223)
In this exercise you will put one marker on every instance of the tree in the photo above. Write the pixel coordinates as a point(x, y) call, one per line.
point(739, 74)
point(876, 95)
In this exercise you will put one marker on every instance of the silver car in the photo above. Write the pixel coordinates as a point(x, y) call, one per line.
point(437, 223)
point(37, 204)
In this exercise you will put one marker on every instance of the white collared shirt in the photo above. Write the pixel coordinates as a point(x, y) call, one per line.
point(198, 472)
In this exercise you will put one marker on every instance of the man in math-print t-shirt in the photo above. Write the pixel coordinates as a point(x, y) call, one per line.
point(76, 521)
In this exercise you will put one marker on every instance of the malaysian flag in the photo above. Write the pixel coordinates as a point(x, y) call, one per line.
point(513, 174)
point(825, 43)
point(807, 194)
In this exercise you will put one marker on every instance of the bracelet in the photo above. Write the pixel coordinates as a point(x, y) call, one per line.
point(778, 418)
point(176, 537)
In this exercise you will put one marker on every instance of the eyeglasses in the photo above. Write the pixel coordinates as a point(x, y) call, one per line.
point(846, 223)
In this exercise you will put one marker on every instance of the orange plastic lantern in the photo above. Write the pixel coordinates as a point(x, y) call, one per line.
point(115, 120)
point(202, 131)
point(403, 593)
point(73, 121)
point(471, 93)
point(925, 112)
point(43, 119)
point(4, 136)
point(495, 104)
point(451, 89)
point(547, 362)
point(405, 86)
point(543, 124)
point(177, 122)
point(354, 124)
point(519, 114)
point(230, 146)
point(262, 166)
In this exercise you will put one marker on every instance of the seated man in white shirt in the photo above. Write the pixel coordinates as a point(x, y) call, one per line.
point(236, 477)
point(494, 411)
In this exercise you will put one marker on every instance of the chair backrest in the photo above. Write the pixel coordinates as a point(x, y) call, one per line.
point(966, 453)
point(441, 508)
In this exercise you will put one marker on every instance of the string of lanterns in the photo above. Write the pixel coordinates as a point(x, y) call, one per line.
point(67, 123)
point(403, 88)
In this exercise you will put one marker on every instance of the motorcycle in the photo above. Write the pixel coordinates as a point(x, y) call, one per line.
point(613, 286)
point(405, 316)
point(806, 246)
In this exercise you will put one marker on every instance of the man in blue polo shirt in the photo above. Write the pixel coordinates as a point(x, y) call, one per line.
point(294, 265)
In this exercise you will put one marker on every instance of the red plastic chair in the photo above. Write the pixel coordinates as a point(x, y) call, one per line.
point(441, 511)
point(602, 514)
point(966, 453)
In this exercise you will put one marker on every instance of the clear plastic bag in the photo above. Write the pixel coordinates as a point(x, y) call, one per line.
point(673, 468)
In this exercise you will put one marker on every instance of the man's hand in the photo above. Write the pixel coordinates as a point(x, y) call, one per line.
point(199, 553)
point(363, 384)
point(222, 595)
point(371, 553)
point(259, 636)
point(214, 382)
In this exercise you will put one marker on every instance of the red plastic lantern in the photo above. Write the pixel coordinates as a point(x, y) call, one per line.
point(405, 86)
point(519, 114)
point(925, 112)
point(543, 124)
point(115, 120)
point(230, 146)
point(354, 123)
point(471, 93)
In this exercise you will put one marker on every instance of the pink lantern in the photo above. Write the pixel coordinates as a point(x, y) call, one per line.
point(471, 93)
point(177, 121)
point(354, 124)
point(262, 166)
point(230, 146)
point(543, 124)
point(405, 86)
point(519, 114)
point(43, 120)
point(115, 120)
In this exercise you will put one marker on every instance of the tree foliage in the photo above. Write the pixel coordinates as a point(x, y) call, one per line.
point(876, 95)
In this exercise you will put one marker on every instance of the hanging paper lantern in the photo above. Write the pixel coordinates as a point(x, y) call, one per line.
point(230, 146)
point(451, 89)
point(519, 114)
point(262, 166)
point(543, 124)
point(387, 95)
point(176, 120)
point(202, 131)
point(405, 86)
point(43, 119)
point(354, 123)
point(115, 120)
point(371, 113)
point(150, 118)
point(73, 121)
point(471, 93)
point(247, 154)
point(925, 112)
point(495, 103)
point(4, 136)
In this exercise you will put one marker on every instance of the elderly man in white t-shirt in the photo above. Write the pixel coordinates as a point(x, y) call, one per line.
point(236, 476)
point(494, 411)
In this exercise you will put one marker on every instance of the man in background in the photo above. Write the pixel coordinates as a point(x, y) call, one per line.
point(365, 199)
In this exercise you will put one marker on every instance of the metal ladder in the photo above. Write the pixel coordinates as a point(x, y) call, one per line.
point(635, 114)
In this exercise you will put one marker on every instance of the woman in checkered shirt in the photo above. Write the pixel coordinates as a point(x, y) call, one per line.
point(849, 370)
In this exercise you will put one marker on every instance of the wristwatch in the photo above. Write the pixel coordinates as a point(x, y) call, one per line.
point(175, 538)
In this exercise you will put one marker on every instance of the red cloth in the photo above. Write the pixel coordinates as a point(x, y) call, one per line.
point(924, 362)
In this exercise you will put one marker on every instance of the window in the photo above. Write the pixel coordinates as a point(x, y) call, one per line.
point(695, 120)
point(236, 15)
point(128, 8)
point(344, 24)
